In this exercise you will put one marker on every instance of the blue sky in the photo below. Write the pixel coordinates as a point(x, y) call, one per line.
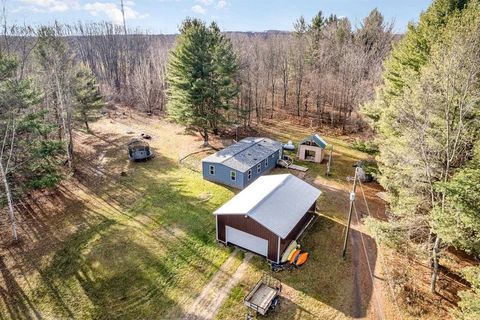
point(164, 16)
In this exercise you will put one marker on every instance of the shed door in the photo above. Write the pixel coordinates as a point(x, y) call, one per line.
point(247, 241)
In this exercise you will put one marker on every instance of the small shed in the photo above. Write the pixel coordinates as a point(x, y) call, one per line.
point(312, 148)
point(268, 215)
point(240, 164)
point(139, 150)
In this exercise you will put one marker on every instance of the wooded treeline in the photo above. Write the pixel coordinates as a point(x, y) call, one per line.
point(427, 119)
point(44, 92)
point(322, 71)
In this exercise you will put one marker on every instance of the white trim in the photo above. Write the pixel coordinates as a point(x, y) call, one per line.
point(216, 229)
point(305, 228)
point(278, 250)
point(259, 167)
point(249, 174)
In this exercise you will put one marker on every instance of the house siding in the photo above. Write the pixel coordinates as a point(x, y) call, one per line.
point(222, 175)
point(319, 153)
point(222, 172)
point(251, 226)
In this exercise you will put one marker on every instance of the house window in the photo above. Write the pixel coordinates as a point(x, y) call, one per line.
point(249, 174)
point(211, 169)
point(266, 162)
point(274, 155)
point(233, 175)
point(259, 167)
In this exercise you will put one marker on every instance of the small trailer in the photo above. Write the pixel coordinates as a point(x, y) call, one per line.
point(139, 150)
point(264, 296)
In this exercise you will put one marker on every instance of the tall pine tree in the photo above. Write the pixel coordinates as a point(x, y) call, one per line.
point(200, 76)
point(87, 95)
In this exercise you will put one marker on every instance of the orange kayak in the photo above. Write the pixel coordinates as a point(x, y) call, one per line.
point(293, 255)
point(301, 259)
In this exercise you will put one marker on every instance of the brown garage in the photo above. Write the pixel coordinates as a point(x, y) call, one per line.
point(266, 216)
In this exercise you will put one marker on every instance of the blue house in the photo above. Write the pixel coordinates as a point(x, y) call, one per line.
point(241, 163)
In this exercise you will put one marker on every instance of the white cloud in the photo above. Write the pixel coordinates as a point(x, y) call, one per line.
point(199, 9)
point(222, 4)
point(48, 5)
point(205, 2)
point(112, 11)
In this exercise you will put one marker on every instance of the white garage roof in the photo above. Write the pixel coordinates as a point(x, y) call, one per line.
point(277, 202)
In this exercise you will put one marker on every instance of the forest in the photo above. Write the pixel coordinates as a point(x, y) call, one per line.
point(411, 101)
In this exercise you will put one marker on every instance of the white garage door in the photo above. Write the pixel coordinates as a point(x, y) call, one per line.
point(247, 241)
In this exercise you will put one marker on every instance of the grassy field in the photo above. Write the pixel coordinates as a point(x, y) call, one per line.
point(129, 240)
point(135, 247)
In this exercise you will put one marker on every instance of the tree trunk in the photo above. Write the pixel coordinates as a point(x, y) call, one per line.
point(64, 122)
point(205, 137)
point(273, 100)
point(9, 201)
point(435, 259)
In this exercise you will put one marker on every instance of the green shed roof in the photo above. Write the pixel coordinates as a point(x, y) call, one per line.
point(317, 139)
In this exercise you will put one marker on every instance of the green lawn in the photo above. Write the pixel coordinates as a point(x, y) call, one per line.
point(142, 246)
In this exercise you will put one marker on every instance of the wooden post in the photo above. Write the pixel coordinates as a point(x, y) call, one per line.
point(352, 200)
point(329, 164)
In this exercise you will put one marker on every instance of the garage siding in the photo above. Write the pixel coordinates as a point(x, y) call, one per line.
point(251, 226)
point(297, 229)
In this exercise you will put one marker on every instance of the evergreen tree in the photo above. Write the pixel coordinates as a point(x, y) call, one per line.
point(200, 75)
point(372, 28)
point(458, 224)
point(87, 95)
point(470, 300)
point(27, 154)
point(56, 65)
point(318, 22)
point(411, 53)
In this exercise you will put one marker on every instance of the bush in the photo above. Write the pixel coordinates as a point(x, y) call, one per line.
point(470, 300)
point(369, 147)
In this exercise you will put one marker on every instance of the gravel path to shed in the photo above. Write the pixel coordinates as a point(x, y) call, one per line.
point(208, 303)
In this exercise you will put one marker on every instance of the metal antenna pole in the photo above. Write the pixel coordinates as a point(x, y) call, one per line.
point(329, 164)
point(352, 199)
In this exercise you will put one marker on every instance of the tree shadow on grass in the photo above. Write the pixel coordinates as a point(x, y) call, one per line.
point(17, 304)
point(121, 277)
point(66, 234)
point(85, 268)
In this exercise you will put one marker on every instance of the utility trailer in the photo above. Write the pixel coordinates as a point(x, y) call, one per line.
point(264, 296)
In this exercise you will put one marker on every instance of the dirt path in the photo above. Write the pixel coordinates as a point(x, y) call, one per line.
point(207, 304)
point(368, 298)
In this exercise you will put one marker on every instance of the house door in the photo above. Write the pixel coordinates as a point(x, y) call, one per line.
point(247, 241)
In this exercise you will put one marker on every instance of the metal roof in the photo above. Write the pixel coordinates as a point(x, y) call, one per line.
point(317, 139)
point(278, 202)
point(245, 154)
